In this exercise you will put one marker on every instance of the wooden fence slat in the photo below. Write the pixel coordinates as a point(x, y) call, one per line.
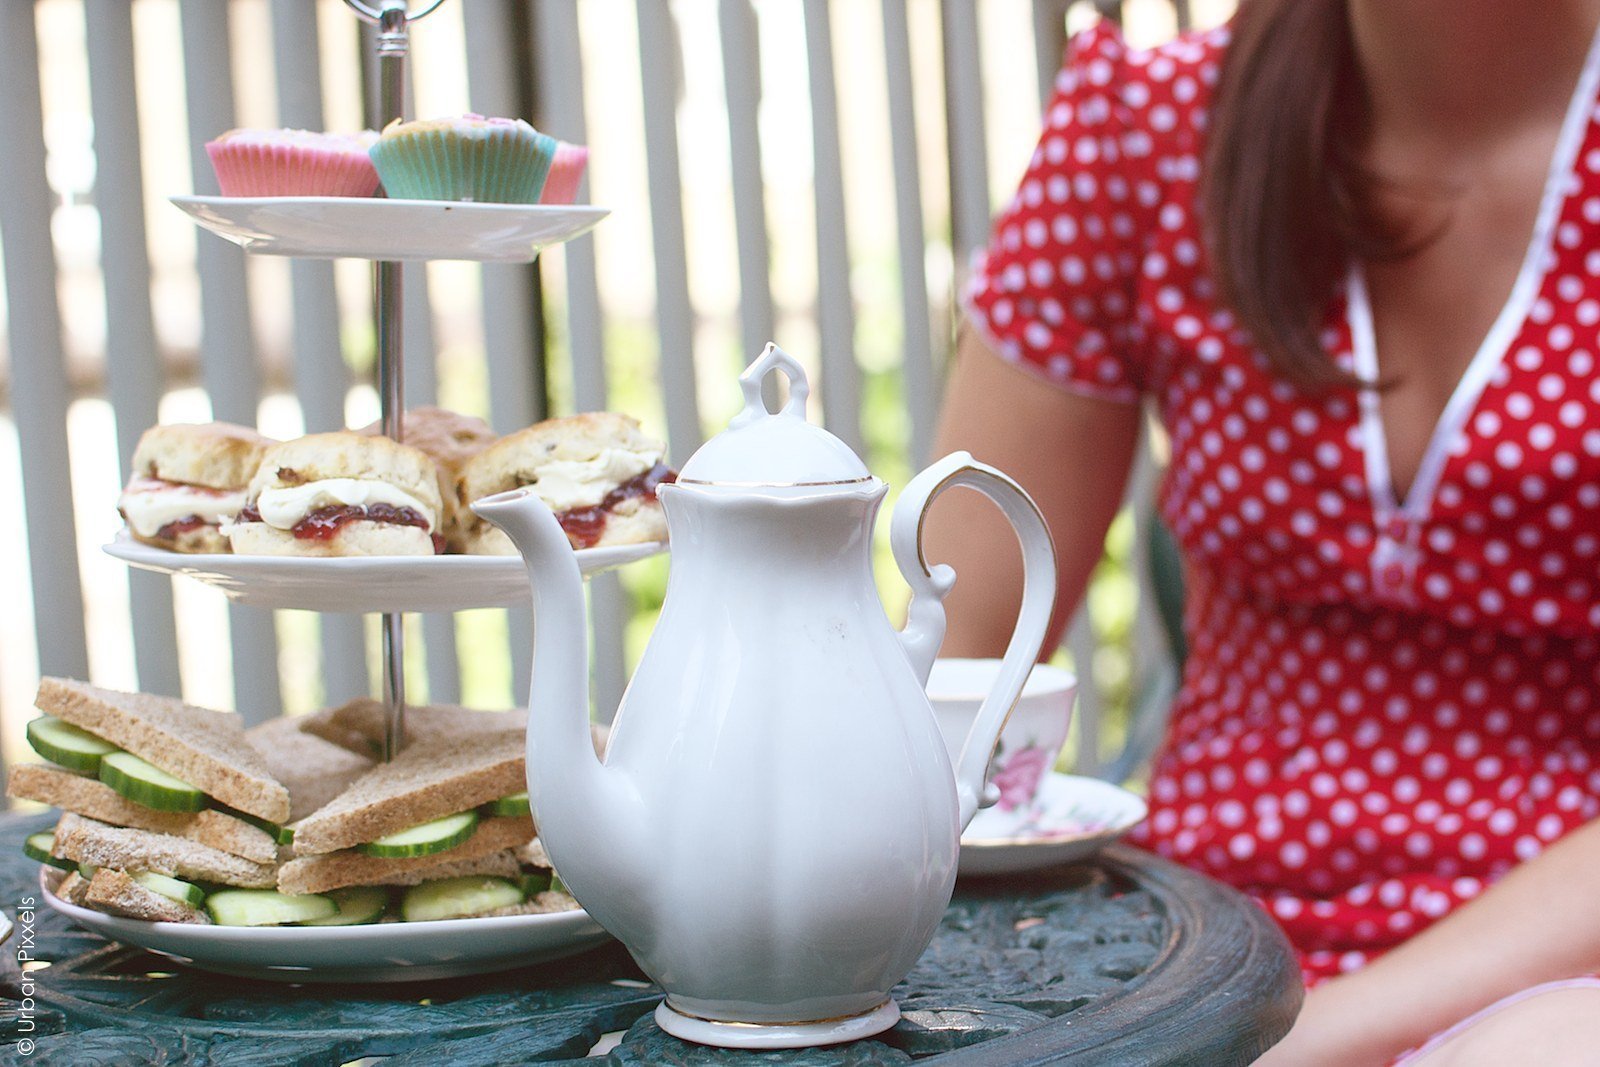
point(1049, 42)
point(39, 390)
point(560, 71)
point(227, 347)
point(840, 387)
point(422, 387)
point(917, 360)
point(516, 393)
point(133, 363)
point(741, 75)
point(1091, 705)
point(321, 378)
point(969, 154)
point(660, 58)
point(557, 48)
point(510, 291)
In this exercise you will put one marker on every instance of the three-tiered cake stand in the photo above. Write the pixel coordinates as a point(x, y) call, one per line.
point(390, 233)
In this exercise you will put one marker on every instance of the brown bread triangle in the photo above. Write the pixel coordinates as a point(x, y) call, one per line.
point(88, 796)
point(313, 770)
point(429, 780)
point(487, 851)
point(360, 725)
point(114, 892)
point(205, 748)
point(90, 841)
point(73, 889)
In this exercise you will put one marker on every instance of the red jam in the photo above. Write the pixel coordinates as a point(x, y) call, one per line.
point(322, 524)
point(585, 526)
point(172, 530)
point(155, 484)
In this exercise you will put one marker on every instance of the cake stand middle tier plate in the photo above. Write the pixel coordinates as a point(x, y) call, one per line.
point(360, 584)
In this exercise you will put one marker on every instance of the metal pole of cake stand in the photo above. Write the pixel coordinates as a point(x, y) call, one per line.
point(392, 17)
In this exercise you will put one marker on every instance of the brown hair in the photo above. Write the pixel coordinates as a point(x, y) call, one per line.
point(1285, 202)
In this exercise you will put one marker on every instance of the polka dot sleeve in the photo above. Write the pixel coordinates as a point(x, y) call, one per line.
point(1055, 291)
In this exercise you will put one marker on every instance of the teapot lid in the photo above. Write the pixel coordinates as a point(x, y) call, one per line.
point(763, 448)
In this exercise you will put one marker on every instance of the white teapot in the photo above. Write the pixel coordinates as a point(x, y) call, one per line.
point(774, 829)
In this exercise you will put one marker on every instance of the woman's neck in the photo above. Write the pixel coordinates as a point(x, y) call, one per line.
point(1456, 71)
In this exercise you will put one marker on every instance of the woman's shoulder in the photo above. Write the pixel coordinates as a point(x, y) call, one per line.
point(1104, 40)
point(1162, 90)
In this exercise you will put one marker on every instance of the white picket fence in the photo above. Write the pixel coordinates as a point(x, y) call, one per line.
point(812, 171)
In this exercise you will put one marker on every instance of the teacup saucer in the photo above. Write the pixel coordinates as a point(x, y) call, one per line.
point(1071, 818)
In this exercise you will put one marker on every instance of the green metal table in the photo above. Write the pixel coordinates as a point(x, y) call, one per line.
point(1124, 960)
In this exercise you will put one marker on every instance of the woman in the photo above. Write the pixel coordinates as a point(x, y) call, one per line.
point(1298, 235)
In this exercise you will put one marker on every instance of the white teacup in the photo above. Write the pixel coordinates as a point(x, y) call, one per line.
point(1032, 737)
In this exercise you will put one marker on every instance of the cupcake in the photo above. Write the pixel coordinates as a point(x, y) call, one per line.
point(566, 171)
point(293, 163)
point(501, 161)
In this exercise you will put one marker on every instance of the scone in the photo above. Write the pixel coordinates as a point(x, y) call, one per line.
point(451, 438)
point(341, 494)
point(597, 471)
point(186, 480)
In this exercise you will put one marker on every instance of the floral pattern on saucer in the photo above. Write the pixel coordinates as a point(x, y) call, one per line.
point(1070, 819)
point(1018, 775)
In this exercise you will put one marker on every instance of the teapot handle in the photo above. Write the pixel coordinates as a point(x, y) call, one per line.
point(925, 618)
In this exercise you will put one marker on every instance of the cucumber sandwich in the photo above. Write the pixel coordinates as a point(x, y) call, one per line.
point(176, 814)
point(444, 830)
point(437, 812)
point(157, 795)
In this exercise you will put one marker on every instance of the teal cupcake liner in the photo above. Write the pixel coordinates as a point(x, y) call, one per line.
point(485, 165)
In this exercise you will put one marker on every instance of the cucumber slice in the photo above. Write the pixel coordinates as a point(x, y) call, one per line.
point(86, 871)
point(458, 898)
point(38, 846)
point(282, 835)
point(266, 907)
point(67, 745)
point(512, 806)
point(171, 888)
point(425, 840)
point(145, 784)
point(535, 883)
point(357, 904)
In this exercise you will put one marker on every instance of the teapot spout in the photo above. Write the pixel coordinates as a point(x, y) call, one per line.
point(588, 815)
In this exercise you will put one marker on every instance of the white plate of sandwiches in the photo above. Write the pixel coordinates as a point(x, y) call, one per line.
point(383, 952)
point(331, 227)
point(355, 522)
point(285, 852)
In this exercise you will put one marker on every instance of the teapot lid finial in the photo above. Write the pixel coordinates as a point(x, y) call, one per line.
point(765, 448)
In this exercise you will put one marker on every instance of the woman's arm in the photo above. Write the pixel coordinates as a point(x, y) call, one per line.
point(1537, 924)
point(1070, 452)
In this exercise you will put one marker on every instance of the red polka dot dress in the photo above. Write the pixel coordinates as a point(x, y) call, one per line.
point(1388, 702)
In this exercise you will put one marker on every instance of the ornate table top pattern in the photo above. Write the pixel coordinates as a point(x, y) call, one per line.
point(1129, 960)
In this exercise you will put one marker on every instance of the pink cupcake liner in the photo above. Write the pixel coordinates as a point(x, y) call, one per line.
point(566, 171)
point(245, 169)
